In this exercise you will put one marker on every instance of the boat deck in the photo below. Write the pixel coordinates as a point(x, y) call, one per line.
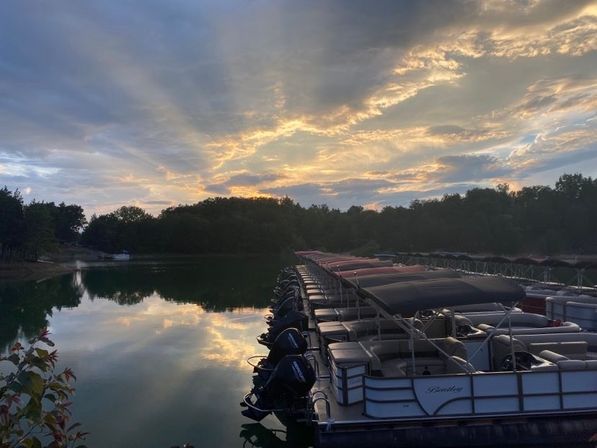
point(347, 426)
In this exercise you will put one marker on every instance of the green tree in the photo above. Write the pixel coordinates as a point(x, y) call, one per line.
point(11, 222)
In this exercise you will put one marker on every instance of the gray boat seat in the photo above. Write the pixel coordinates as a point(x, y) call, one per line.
point(393, 357)
point(500, 348)
point(572, 350)
point(455, 364)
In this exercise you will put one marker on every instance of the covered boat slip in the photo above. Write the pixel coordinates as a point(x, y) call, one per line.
point(374, 421)
point(381, 387)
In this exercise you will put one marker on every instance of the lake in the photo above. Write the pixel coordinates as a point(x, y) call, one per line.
point(158, 347)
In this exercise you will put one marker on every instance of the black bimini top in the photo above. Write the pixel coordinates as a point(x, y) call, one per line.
point(368, 281)
point(409, 297)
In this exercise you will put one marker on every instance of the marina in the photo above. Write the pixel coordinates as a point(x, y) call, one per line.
point(366, 351)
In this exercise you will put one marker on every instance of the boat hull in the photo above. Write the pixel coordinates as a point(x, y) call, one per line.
point(543, 431)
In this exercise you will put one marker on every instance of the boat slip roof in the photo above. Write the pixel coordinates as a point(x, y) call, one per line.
point(412, 296)
point(367, 281)
point(381, 270)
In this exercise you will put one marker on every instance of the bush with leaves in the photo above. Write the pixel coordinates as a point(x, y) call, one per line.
point(35, 400)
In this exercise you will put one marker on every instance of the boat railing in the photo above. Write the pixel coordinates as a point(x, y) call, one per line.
point(522, 392)
point(320, 395)
point(256, 365)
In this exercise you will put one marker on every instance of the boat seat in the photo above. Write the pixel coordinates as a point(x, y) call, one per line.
point(347, 354)
point(455, 364)
point(572, 350)
point(394, 368)
point(565, 363)
point(500, 348)
point(552, 356)
point(571, 364)
point(399, 367)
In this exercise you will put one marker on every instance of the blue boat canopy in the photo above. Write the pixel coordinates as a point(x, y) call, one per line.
point(409, 297)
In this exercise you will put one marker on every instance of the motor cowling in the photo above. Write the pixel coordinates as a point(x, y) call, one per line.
point(288, 342)
point(292, 379)
point(292, 319)
point(281, 291)
point(287, 305)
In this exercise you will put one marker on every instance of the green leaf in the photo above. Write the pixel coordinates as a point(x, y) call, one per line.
point(36, 443)
point(33, 384)
point(33, 410)
point(41, 352)
point(32, 442)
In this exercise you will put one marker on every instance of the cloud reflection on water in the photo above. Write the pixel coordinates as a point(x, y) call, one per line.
point(158, 364)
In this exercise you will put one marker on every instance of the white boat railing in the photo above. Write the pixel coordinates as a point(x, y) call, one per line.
point(528, 392)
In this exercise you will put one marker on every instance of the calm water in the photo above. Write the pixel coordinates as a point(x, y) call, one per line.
point(159, 348)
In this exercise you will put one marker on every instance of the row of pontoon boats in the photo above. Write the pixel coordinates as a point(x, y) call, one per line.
point(371, 352)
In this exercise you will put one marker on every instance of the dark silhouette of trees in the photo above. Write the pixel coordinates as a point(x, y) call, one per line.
point(11, 222)
point(535, 219)
point(28, 230)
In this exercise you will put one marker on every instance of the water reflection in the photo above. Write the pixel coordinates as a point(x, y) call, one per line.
point(159, 349)
point(26, 306)
point(218, 284)
point(256, 435)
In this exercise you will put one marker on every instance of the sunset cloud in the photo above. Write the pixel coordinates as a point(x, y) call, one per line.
point(156, 104)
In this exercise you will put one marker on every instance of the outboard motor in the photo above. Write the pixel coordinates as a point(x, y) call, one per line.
point(282, 289)
point(290, 303)
point(291, 292)
point(288, 342)
point(292, 319)
point(286, 283)
point(292, 379)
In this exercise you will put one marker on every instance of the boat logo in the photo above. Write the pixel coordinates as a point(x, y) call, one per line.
point(297, 371)
point(440, 389)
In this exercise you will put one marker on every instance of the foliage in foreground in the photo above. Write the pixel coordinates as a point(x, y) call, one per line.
point(35, 400)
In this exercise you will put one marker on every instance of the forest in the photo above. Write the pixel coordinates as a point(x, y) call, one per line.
point(27, 231)
point(533, 220)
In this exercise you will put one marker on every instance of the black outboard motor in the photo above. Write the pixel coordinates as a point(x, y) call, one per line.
point(292, 319)
point(290, 303)
point(288, 342)
point(280, 294)
point(291, 380)
point(291, 292)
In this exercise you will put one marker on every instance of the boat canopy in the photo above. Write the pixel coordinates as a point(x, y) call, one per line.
point(368, 281)
point(355, 264)
point(381, 270)
point(412, 296)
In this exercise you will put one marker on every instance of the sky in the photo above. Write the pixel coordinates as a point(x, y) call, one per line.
point(343, 102)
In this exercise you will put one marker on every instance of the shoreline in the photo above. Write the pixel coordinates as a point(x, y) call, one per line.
point(61, 264)
point(33, 271)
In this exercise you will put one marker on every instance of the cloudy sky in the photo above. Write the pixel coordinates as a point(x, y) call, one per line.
point(155, 103)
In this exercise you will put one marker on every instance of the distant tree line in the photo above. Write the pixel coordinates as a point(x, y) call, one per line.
point(536, 219)
point(26, 231)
